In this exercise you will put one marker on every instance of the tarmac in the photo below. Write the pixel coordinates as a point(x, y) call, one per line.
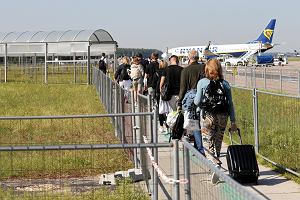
point(271, 185)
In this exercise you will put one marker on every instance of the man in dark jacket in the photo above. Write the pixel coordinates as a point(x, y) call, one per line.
point(189, 80)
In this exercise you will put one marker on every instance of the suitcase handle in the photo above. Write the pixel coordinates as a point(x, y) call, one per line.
point(239, 134)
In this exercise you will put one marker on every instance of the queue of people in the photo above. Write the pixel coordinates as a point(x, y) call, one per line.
point(198, 86)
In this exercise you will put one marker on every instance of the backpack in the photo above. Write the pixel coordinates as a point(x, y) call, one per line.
point(124, 73)
point(214, 99)
point(165, 92)
point(102, 65)
point(188, 100)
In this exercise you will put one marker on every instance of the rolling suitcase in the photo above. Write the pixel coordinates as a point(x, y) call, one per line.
point(241, 161)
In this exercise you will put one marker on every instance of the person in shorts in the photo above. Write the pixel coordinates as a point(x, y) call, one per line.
point(136, 74)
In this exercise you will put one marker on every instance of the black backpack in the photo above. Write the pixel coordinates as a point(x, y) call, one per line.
point(214, 99)
point(124, 73)
point(165, 92)
point(102, 65)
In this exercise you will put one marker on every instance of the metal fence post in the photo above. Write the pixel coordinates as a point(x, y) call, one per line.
point(115, 63)
point(251, 77)
point(122, 130)
point(265, 79)
point(111, 91)
point(46, 66)
point(150, 128)
point(116, 108)
point(280, 79)
point(234, 74)
point(149, 97)
point(74, 65)
point(5, 63)
point(299, 83)
point(134, 127)
point(89, 64)
point(246, 77)
point(107, 93)
point(155, 153)
point(186, 165)
point(176, 195)
point(254, 77)
point(255, 118)
point(139, 137)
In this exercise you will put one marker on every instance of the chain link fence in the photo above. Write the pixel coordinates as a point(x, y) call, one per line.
point(270, 122)
point(68, 164)
point(274, 79)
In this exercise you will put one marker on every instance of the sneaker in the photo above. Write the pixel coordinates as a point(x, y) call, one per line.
point(161, 129)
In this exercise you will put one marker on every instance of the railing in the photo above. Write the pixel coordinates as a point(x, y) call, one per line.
point(271, 123)
point(33, 69)
point(198, 170)
point(62, 156)
point(167, 166)
point(50, 172)
point(169, 172)
point(275, 79)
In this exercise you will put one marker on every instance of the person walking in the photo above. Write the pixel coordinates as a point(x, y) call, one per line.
point(144, 64)
point(103, 63)
point(136, 74)
point(171, 76)
point(161, 116)
point(151, 75)
point(188, 81)
point(122, 76)
point(215, 101)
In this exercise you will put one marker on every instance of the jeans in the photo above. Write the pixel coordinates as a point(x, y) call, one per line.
point(198, 141)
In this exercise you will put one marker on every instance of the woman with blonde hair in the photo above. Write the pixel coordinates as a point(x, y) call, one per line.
point(161, 116)
point(122, 76)
point(215, 101)
point(136, 74)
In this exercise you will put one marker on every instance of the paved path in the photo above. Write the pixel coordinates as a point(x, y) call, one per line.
point(270, 184)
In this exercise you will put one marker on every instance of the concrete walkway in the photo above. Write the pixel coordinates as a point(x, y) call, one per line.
point(270, 184)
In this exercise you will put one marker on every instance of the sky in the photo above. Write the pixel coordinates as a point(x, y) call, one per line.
point(160, 23)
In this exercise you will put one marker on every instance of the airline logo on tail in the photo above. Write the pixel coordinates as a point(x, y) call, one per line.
point(268, 33)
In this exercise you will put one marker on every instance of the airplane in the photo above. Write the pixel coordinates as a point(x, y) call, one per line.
point(244, 51)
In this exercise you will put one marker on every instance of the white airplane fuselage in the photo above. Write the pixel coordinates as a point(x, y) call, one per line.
point(236, 50)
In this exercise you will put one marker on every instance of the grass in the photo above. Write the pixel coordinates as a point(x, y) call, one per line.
point(123, 191)
point(279, 126)
point(34, 99)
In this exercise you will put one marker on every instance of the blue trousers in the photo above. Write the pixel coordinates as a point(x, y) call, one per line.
point(198, 141)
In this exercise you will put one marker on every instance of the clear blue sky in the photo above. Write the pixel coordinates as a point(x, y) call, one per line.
point(160, 23)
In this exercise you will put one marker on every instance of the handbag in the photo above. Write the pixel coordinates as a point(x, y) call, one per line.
point(190, 123)
point(171, 119)
point(192, 118)
point(164, 107)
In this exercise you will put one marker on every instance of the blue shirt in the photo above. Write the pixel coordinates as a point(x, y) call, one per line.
point(201, 87)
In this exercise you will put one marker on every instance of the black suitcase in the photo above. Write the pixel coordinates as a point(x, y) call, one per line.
point(241, 161)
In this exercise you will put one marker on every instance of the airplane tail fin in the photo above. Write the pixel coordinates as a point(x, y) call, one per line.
point(267, 35)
